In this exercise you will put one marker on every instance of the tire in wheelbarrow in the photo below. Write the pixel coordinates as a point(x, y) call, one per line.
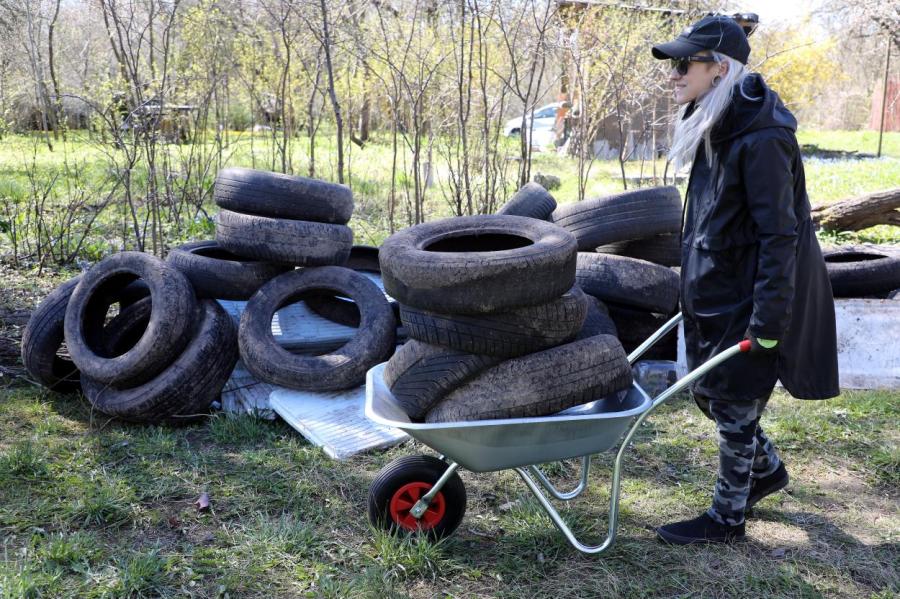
point(597, 321)
point(635, 326)
point(282, 196)
point(214, 272)
point(184, 390)
point(401, 483)
point(343, 368)
point(621, 217)
point(628, 281)
point(420, 374)
point(532, 200)
point(664, 249)
point(282, 240)
point(173, 313)
point(861, 270)
point(478, 264)
point(541, 383)
point(506, 334)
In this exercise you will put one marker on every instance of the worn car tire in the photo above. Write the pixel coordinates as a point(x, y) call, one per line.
point(478, 264)
point(173, 312)
point(282, 196)
point(635, 326)
point(505, 334)
point(629, 215)
point(363, 257)
point(42, 339)
point(294, 242)
point(861, 270)
point(532, 200)
point(188, 386)
point(664, 249)
point(214, 272)
point(628, 281)
point(541, 383)
point(597, 320)
point(343, 368)
point(419, 374)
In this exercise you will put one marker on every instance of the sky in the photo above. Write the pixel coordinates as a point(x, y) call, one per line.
point(777, 11)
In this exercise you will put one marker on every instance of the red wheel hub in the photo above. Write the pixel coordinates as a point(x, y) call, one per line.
point(406, 497)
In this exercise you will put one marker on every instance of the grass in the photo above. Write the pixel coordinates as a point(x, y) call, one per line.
point(91, 508)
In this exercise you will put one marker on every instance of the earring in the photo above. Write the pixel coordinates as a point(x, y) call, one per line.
point(716, 80)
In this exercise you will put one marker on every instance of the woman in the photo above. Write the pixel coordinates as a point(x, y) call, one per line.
point(751, 266)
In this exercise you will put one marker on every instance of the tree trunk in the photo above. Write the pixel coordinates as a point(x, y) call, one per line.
point(879, 208)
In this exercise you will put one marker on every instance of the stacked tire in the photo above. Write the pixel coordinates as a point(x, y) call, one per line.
point(495, 321)
point(627, 243)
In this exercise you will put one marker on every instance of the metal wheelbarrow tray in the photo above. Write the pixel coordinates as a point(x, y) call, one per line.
point(424, 493)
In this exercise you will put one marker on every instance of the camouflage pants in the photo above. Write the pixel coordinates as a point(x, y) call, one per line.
point(744, 453)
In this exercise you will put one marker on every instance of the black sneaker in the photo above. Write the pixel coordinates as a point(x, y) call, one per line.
point(702, 529)
point(765, 486)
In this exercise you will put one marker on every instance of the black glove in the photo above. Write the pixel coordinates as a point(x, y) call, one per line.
point(758, 345)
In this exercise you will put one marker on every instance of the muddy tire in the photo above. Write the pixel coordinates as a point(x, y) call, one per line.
point(630, 215)
point(419, 375)
point(505, 334)
point(664, 250)
point(214, 272)
point(42, 339)
point(540, 383)
point(628, 281)
point(597, 321)
point(860, 270)
point(341, 369)
point(283, 241)
point(478, 264)
point(635, 326)
point(282, 196)
point(363, 257)
point(532, 201)
point(188, 386)
point(173, 313)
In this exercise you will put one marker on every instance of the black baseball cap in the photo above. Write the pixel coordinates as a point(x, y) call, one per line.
point(716, 32)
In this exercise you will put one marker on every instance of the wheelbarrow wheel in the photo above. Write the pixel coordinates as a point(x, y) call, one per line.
point(399, 486)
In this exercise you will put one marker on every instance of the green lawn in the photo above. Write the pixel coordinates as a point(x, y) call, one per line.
point(92, 508)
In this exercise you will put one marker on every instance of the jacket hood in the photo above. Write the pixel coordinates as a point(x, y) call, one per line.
point(755, 106)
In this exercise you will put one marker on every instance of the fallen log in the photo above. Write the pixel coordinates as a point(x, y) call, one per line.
point(879, 208)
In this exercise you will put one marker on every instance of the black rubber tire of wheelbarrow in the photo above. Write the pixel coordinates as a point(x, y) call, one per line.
point(342, 368)
point(532, 200)
point(628, 281)
point(214, 272)
point(861, 270)
point(663, 249)
point(478, 264)
point(282, 196)
point(506, 334)
point(410, 469)
point(184, 390)
point(629, 215)
point(597, 320)
point(419, 374)
point(173, 314)
point(541, 383)
point(282, 240)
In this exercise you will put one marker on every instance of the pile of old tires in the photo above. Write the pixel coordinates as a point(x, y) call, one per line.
point(627, 243)
point(146, 341)
point(497, 326)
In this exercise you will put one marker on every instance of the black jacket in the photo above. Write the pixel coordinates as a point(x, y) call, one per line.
point(750, 258)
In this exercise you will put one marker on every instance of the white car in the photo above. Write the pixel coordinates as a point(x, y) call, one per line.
point(542, 127)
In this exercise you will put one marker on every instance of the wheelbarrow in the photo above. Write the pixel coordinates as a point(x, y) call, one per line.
point(425, 493)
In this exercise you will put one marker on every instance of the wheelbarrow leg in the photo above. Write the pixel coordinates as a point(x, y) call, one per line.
point(582, 485)
point(422, 504)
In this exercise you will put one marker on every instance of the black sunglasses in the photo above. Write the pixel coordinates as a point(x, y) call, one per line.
point(681, 65)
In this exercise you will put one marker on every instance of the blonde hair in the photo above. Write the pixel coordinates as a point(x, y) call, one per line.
point(707, 110)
